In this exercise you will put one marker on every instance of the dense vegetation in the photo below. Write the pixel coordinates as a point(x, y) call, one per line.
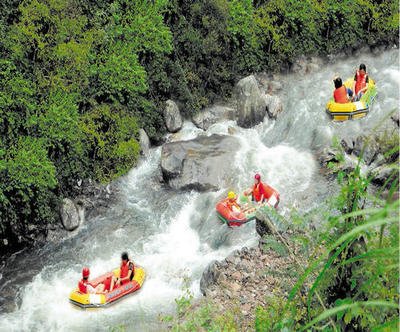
point(347, 275)
point(78, 78)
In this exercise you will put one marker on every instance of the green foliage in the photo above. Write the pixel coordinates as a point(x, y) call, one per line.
point(355, 266)
point(111, 134)
point(77, 78)
point(72, 91)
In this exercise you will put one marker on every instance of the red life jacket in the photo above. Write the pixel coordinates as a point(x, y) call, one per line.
point(263, 189)
point(230, 204)
point(340, 95)
point(361, 81)
point(269, 191)
point(124, 270)
point(258, 191)
point(82, 286)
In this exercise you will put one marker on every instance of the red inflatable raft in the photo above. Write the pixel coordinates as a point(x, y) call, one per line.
point(239, 218)
point(102, 300)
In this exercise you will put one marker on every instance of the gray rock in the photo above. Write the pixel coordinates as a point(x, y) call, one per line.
point(349, 164)
point(209, 277)
point(211, 115)
point(396, 119)
point(144, 142)
point(172, 117)
point(250, 102)
point(382, 174)
point(70, 215)
point(329, 155)
point(368, 148)
point(274, 105)
point(348, 144)
point(202, 164)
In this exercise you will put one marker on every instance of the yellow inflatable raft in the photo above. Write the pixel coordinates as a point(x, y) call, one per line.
point(102, 300)
point(354, 110)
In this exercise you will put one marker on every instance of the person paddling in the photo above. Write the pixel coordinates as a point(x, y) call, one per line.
point(360, 85)
point(126, 273)
point(86, 287)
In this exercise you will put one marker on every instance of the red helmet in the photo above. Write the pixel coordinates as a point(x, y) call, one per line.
point(85, 272)
point(257, 176)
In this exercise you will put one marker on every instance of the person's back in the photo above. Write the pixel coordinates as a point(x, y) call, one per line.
point(340, 93)
point(361, 81)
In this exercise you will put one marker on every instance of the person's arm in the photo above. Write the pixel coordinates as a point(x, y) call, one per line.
point(90, 289)
point(366, 85)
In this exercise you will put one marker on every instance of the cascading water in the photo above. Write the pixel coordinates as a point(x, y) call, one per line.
point(174, 235)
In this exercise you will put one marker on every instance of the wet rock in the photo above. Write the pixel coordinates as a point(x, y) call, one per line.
point(250, 102)
point(274, 105)
point(395, 118)
point(172, 117)
point(350, 163)
point(328, 155)
point(209, 276)
point(348, 144)
point(201, 164)
point(211, 115)
point(95, 198)
point(262, 228)
point(382, 174)
point(368, 148)
point(144, 142)
point(70, 216)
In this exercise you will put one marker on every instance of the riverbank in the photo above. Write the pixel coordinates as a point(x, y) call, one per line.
point(80, 109)
point(249, 288)
point(175, 234)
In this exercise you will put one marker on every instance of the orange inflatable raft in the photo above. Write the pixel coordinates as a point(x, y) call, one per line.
point(248, 213)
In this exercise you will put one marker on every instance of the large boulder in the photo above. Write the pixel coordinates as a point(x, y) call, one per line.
point(144, 142)
point(70, 216)
point(213, 114)
point(202, 163)
point(274, 105)
point(250, 102)
point(209, 277)
point(172, 117)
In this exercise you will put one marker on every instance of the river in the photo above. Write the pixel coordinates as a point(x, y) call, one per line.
point(174, 235)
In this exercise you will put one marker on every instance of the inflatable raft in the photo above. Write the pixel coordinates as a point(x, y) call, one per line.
point(102, 300)
point(248, 213)
point(355, 110)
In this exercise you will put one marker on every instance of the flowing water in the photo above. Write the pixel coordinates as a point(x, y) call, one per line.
point(174, 235)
